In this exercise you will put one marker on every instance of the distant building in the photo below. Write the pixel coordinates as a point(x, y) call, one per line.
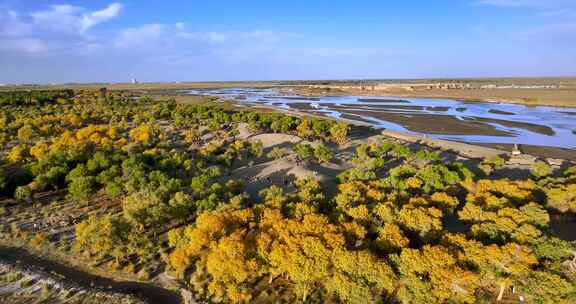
point(134, 81)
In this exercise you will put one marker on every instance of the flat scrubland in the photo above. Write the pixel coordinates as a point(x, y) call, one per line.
point(554, 91)
point(228, 204)
point(551, 91)
point(147, 86)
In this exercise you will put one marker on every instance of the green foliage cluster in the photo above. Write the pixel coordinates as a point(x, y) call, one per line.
point(35, 97)
point(320, 152)
point(492, 163)
point(396, 226)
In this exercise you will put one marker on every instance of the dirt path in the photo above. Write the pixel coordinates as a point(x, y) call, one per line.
point(146, 291)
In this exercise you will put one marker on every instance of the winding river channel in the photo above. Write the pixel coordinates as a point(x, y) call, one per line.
point(475, 122)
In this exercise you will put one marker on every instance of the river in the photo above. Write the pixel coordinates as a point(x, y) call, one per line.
point(474, 122)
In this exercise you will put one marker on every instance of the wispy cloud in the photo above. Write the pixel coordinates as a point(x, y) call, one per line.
point(563, 32)
point(74, 19)
point(89, 20)
point(557, 19)
point(147, 35)
point(166, 36)
point(57, 27)
point(540, 4)
point(25, 45)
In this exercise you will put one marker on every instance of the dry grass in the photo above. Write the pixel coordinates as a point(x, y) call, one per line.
point(550, 97)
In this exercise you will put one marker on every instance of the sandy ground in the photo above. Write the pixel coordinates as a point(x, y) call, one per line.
point(270, 140)
point(267, 172)
point(243, 132)
point(551, 97)
point(553, 91)
point(463, 149)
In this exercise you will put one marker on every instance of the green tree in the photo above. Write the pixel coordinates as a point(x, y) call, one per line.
point(257, 148)
point(146, 208)
point(24, 194)
point(82, 187)
point(488, 165)
point(102, 237)
point(26, 133)
point(541, 169)
point(275, 153)
point(322, 153)
point(339, 132)
point(303, 150)
point(304, 129)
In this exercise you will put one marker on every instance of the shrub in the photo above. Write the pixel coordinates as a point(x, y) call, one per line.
point(26, 133)
point(339, 132)
point(322, 153)
point(102, 237)
point(541, 169)
point(143, 133)
point(18, 153)
point(82, 187)
point(303, 150)
point(492, 163)
point(276, 153)
point(305, 129)
point(24, 194)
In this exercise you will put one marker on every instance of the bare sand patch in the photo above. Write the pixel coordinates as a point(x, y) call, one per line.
point(243, 132)
point(463, 149)
point(270, 140)
point(279, 172)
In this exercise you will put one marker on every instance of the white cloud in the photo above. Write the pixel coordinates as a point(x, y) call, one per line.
point(91, 19)
point(26, 45)
point(59, 18)
point(58, 27)
point(163, 37)
point(73, 19)
point(143, 36)
point(217, 37)
point(10, 24)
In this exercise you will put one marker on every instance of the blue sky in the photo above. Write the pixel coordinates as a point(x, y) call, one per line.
point(92, 41)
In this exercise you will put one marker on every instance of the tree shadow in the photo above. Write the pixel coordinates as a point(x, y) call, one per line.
point(511, 173)
point(454, 225)
point(362, 132)
point(563, 225)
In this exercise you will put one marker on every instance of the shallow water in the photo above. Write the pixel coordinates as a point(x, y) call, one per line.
point(503, 123)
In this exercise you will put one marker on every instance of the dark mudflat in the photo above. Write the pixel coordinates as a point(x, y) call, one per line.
point(500, 112)
point(383, 100)
point(545, 130)
point(429, 123)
